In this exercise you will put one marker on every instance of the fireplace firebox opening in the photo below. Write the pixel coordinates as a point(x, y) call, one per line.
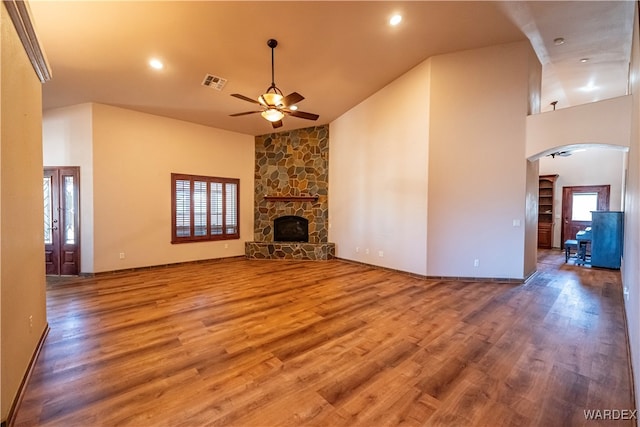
point(291, 228)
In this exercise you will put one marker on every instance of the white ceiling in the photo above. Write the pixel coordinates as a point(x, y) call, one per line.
point(334, 53)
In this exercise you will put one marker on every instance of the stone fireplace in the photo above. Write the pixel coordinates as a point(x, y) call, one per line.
point(290, 201)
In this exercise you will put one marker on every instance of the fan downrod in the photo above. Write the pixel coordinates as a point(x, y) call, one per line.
point(272, 43)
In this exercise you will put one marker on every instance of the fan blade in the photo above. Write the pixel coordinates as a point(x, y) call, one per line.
point(277, 124)
point(303, 115)
point(244, 98)
point(244, 114)
point(292, 98)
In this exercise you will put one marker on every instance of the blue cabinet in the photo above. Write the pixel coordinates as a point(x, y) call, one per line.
point(606, 239)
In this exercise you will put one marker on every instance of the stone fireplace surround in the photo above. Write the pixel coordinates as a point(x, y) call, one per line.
point(291, 179)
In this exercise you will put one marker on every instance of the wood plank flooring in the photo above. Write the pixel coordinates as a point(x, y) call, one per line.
point(278, 343)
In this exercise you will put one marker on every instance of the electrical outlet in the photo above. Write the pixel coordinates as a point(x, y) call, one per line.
point(226, 246)
point(121, 255)
point(476, 262)
point(30, 323)
point(380, 254)
point(366, 251)
point(357, 249)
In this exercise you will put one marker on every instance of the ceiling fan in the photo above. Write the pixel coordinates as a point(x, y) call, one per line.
point(559, 153)
point(274, 105)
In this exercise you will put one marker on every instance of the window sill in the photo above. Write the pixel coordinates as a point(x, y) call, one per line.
point(216, 238)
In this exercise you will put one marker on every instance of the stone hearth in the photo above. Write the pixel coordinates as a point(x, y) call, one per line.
point(290, 250)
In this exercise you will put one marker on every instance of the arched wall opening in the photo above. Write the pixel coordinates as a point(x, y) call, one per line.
point(584, 145)
point(604, 123)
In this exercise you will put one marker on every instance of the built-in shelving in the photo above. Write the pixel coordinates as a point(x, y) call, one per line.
point(546, 185)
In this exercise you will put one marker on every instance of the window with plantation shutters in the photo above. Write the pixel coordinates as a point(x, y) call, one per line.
point(204, 208)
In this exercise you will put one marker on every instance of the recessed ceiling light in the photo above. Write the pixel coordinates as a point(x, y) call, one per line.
point(156, 64)
point(395, 20)
point(583, 60)
point(558, 41)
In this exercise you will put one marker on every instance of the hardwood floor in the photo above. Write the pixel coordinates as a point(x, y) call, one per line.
point(277, 343)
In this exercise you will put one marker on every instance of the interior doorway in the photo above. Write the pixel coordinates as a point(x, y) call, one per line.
point(577, 204)
point(61, 189)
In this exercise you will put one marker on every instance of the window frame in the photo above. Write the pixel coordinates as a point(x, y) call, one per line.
point(587, 212)
point(208, 236)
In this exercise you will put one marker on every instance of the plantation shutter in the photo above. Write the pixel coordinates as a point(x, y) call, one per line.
point(204, 208)
point(216, 208)
point(183, 208)
point(200, 208)
point(231, 220)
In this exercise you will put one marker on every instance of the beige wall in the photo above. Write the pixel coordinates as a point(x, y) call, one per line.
point(477, 168)
point(631, 264)
point(134, 155)
point(418, 171)
point(68, 141)
point(22, 279)
point(377, 176)
point(125, 160)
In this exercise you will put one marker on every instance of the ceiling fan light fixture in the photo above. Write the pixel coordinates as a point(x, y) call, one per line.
point(271, 99)
point(273, 103)
point(272, 114)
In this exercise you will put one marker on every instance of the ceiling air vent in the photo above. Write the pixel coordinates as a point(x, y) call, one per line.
point(214, 82)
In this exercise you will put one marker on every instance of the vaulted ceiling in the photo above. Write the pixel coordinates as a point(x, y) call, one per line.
point(334, 53)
